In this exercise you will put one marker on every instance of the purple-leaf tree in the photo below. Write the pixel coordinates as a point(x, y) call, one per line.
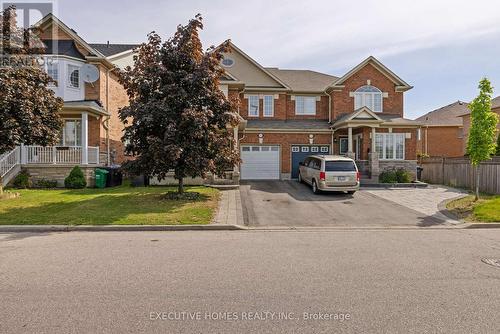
point(178, 117)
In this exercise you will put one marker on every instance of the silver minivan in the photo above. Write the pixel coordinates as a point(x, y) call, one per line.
point(330, 173)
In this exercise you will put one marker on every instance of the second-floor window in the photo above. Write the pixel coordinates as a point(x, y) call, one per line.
point(253, 105)
point(53, 70)
point(73, 76)
point(305, 105)
point(368, 96)
point(268, 106)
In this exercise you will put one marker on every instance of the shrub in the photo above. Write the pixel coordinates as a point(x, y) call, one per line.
point(22, 180)
point(403, 176)
point(43, 183)
point(388, 176)
point(75, 179)
point(399, 175)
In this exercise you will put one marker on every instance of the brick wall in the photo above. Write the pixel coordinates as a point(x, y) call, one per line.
point(117, 99)
point(443, 141)
point(343, 103)
point(284, 107)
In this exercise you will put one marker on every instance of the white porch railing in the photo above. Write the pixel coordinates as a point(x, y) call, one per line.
point(8, 161)
point(57, 155)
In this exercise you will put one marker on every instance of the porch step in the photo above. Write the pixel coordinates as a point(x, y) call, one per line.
point(11, 175)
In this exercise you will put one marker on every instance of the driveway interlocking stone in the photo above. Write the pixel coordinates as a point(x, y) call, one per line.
point(424, 200)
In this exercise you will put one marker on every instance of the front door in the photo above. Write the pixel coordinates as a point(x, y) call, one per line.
point(357, 148)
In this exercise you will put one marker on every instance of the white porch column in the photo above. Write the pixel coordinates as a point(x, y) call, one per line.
point(374, 148)
point(349, 140)
point(350, 152)
point(85, 138)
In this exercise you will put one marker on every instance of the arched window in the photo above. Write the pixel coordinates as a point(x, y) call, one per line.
point(368, 96)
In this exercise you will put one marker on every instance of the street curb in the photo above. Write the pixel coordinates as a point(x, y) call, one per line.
point(118, 228)
point(395, 185)
point(354, 228)
point(482, 225)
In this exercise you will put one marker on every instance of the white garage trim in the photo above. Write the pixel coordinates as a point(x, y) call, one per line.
point(260, 162)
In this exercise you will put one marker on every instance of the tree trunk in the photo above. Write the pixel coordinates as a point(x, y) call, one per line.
point(477, 183)
point(180, 189)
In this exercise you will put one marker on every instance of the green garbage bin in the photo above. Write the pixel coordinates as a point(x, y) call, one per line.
point(100, 177)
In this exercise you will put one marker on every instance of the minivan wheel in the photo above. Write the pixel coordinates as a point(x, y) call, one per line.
point(315, 187)
point(300, 178)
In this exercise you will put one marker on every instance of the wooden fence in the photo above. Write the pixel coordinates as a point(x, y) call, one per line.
point(458, 172)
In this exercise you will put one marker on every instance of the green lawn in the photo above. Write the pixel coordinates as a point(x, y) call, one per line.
point(486, 209)
point(120, 205)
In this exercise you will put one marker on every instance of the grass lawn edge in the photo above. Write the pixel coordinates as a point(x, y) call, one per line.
point(118, 206)
point(484, 211)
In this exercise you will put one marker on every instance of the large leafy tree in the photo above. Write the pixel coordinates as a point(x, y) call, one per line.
point(177, 117)
point(481, 142)
point(29, 110)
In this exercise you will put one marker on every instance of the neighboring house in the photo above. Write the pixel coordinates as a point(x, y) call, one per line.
point(495, 107)
point(92, 130)
point(294, 113)
point(443, 131)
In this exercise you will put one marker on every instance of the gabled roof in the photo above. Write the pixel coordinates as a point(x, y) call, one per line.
point(495, 103)
point(364, 116)
point(401, 85)
point(260, 67)
point(62, 47)
point(52, 18)
point(304, 80)
point(449, 115)
point(109, 50)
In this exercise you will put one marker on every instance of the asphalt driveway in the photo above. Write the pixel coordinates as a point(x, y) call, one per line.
point(291, 204)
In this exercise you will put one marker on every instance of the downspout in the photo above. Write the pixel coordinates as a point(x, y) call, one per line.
point(426, 147)
point(329, 107)
point(330, 116)
point(105, 124)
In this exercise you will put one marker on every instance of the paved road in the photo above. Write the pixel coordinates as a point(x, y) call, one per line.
point(390, 281)
point(289, 203)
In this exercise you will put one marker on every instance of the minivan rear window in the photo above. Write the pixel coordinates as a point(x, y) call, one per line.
point(340, 166)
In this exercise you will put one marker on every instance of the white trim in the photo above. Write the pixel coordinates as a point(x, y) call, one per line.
point(363, 96)
point(275, 78)
point(264, 106)
point(68, 31)
point(402, 85)
point(385, 136)
point(305, 112)
point(249, 105)
point(70, 68)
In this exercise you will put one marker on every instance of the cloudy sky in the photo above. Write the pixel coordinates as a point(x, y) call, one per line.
point(442, 48)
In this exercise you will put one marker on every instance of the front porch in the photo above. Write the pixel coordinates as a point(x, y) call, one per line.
point(376, 142)
point(59, 155)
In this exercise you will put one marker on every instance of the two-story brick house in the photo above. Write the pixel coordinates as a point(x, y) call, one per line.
point(290, 114)
point(92, 131)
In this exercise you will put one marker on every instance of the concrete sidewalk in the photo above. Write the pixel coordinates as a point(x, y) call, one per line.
point(230, 211)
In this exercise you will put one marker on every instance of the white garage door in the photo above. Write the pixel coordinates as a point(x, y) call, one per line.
point(260, 162)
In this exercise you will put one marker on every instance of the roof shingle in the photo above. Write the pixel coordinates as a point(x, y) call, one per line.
point(447, 115)
point(113, 49)
point(303, 80)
